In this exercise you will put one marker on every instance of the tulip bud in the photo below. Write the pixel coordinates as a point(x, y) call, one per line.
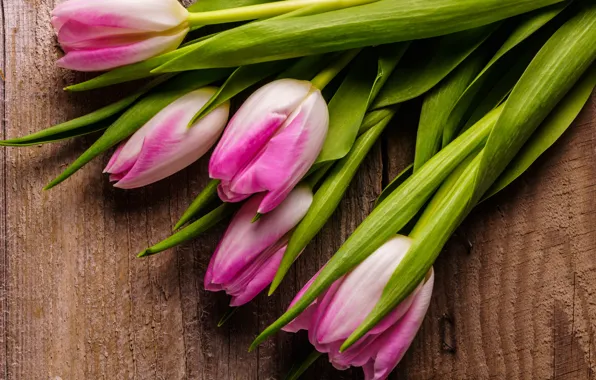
point(166, 144)
point(336, 314)
point(250, 252)
point(101, 35)
point(271, 143)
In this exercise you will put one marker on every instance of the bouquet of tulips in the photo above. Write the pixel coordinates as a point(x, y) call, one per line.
point(310, 86)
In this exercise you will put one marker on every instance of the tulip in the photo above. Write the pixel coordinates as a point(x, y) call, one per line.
point(166, 144)
point(101, 35)
point(344, 306)
point(250, 252)
point(270, 143)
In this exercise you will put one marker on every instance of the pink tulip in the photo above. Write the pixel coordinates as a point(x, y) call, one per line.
point(249, 254)
point(100, 35)
point(271, 143)
point(166, 144)
point(336, 314)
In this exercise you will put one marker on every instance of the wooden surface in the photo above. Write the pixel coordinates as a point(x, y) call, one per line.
point(75, 303)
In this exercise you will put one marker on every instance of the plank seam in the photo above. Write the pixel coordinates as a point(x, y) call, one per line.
point(4, 191)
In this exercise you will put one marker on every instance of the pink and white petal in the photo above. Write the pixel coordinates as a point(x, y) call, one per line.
point(114, 157)
point(362, 287)
point(112, 57)
point(226, 162)
point(244, 240)
point(226, 195)
point(260, 276)
point(127, 152)
point(259, 118)
point(303, 321)
point(170, 145)
point(395, 342)
point(142, 15)
point(74, 35)
point(288, 156)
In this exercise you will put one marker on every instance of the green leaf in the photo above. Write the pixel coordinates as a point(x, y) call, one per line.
point(241, 79)
point(548, 133)
point(82, 125)
point(214, 5)
point(202, 202)
point(503, 70)
point(397, 182)
point(327, 198)
point(427, 63)
point(438, 104)
point(128, 73)
point(193, 230)
point(377, 23)
point(306, 67)
point(374, 117)
point(389, 216)
point(348, 107)
point(139, 114)
point(552, 73)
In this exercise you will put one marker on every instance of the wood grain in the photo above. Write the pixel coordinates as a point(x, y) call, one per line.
point(75, 303)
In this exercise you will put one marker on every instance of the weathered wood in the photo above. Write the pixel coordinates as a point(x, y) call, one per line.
point(75, 303)
point(521, 303)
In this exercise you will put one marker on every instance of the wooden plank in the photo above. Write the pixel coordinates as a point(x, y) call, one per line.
point(3, 235)
point(75, 303)
point(520, 303)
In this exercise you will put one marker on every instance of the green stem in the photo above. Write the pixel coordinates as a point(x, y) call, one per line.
point(259, 11)
point(324, 77)
point(296, 372)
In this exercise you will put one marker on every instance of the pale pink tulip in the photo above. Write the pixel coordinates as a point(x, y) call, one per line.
point(271, 143)
point(101, 35)
point(166, 144)
point(250, 252)
point(336, 314)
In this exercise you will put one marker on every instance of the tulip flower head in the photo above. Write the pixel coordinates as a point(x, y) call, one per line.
point(101, 35)
point(336, 314)
point(271, 143)
point(166, 144)
point(250, 252)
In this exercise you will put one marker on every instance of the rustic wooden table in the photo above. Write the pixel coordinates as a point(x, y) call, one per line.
point(75, 303)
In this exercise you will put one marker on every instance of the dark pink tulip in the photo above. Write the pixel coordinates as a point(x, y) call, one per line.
point(271, 143)
point(101, 35)
point(335, 315)
point(249, 254)
point(166, 144)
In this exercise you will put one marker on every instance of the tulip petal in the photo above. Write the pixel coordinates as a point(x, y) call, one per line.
point(169, 145)
point(111, 57)
point(114, 158)
point(259, 118)
point(395, 342)
point(303, 321)
point(227, 195)
point(244, 241)
point(288, 156)
point(256, 277)
point(74, 35)
point(142, 15)
point(362, 287)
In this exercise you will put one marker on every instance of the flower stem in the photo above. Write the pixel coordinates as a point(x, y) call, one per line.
point(298, 371)
point(259, 11)
point(324, 77)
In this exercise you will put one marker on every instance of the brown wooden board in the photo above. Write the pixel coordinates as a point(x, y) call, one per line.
point(75, 303)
